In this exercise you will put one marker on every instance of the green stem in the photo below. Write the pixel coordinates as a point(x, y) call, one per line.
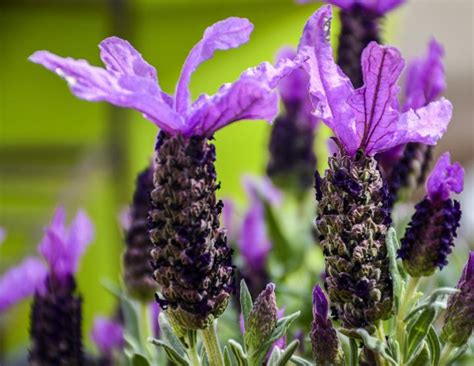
point(145, 327)
point(213, 348)
point(381, 336)
point(446, 354)
point(354, 352)
point(404, 307)
point(194, 357)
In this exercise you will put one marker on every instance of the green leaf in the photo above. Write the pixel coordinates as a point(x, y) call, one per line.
point(298, 361)
point(285, 356)
point(281, 246)
point(238, 353)
point(459, 352)
point(275, 355)
point(435, 346)
point(173, 356)
point(227, 358)
point(246, 302)
point(437, 300)
point(130, 314)
point(281, 328)
point(418, 331)
point(398, 282)
point(423, 358)
point(354, 356)
point(168, 335)
point(139, 360)
point(375, 345)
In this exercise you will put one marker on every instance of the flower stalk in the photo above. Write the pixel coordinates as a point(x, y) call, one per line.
point(212, 345)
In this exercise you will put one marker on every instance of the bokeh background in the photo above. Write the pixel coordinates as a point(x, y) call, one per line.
point(56, 149)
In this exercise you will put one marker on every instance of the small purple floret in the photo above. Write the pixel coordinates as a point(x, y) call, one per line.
point(107, 334)
point(445, 178)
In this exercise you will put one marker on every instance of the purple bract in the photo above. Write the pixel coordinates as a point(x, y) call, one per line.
point(367, 118)
point(445, 178)
point(107, 334)
point(129, 81)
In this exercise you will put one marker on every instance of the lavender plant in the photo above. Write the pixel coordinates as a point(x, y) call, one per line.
point(371, 311)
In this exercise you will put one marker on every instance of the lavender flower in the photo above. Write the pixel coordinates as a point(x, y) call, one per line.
point(107, 334)
point(353, 199)
point(430, 234)
point(138, 273)
point(458, 319)
point(292, 159)
point(191, 259)
point(407, 166)
point(3, 235)
point(324, 340)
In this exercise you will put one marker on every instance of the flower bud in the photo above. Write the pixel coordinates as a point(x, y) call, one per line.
point(138, 273)
point(262, 318)
point(458, 319)
point(353, 221)
point(327, 350)
point(191, 259)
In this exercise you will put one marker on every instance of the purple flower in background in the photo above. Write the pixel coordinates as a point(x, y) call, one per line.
point(445, 178)
point(458, 319)
point(61, 247)
point(367, 118)
point(155, 313)
point(430, 234)
point(3, 235)
point(324, 340)
point(379, 7)
point(425, 79)
point(129, 81)
point(21, 282)
point(107, 334)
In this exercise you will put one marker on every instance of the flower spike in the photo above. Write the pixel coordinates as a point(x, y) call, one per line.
point(430, 234)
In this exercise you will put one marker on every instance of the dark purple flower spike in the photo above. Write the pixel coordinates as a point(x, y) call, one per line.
point(324, 340)
point(430, 235)
point(458, 322)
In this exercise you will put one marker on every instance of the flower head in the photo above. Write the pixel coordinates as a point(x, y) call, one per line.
point(129, 81)
point(366, 118)
point(379, 7)
point(325, 343)
point(458, 325)
point(107, 335)
point(445, 178)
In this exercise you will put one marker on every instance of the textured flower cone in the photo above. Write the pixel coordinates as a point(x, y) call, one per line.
point(262, 318)
point(56, 327)
point(410, 171)
point(191, 259)
point(292, 159)
point(138, 272)
point(325, 344)
point(458, 319)
point(429, 237)
point(353, 221)
point(359, 27)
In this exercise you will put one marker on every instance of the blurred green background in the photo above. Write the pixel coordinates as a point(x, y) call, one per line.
point(56, 149)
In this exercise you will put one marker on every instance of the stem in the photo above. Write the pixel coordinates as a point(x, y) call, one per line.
point(446, 354)
point(145, 327)
point(194, 357)
point(381, 336)
point(354, 352)
point(213, 348)
point(404, 306)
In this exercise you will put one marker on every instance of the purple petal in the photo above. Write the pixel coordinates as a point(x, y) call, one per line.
point(62, 247)
point(329, 87)
point(123, 90)
point(21, 282)
point(380, 7)
point(119, 56)
point(425, 125)
point(226, 34)
point(468, 271)
point(155, 313)
point(425, 80)
point(294, 87)
point(107, 334)
point(445, 178)
point(243, 99)
point(320, 303)
point(375, 104)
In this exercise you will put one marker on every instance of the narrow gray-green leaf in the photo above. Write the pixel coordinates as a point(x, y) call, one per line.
point(398, 282)
point(139, 360)
point(227, 358)
point(168, 335)
point(419, 331)
point(298, 361)
point(375, 345)
point(130, 314)
point(354, 356)
point(238, 353)
point(435, 346)
point(173, 356)
point(246, 302)
point(274, 356)
point(285, 356)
